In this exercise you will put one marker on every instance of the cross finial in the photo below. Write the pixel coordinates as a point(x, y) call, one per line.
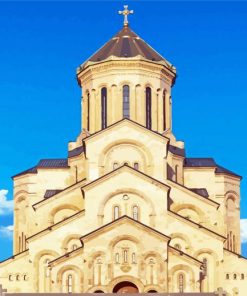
point(125, 13)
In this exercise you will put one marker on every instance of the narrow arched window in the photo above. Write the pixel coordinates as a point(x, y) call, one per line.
point(227, 276)
point(181, 283)
point(164, 110)
point(104, 107)
point(74, 247)
point(70, 283)
point(205, 266)
point(117, 258)
point(230, 240)
point(125, 256)
point(136, 166)
point(88, 111)
point(133, 257)
point(25, 277)
point(242, 276)
point(148, 108)
point(126, 101)
point(116, 212)
point(176, 173)
point(135, 212)
point(115, 165)
point(18, 277)
point(47, 269)
point(10, 278)
point(235, 276)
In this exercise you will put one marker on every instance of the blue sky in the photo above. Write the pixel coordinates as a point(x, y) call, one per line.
point(42, 43)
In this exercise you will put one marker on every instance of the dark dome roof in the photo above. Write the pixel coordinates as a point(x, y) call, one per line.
point(126, 44)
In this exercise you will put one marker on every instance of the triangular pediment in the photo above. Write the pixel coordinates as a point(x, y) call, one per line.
point(124, 123)
point(124, 170)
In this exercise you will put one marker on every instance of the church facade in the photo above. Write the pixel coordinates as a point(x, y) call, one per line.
point(127, 210)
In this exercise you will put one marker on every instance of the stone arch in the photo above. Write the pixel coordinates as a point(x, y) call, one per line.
point(57, 209)
point(154, 265)
point(77, 270)
point(120, 238)
point(68, 239)
point(183, 237)
point(117, 239)
point(156, 288)
point(145, 153)
point(149, 84)
point(184, 269)
point(126, 191)
point(36, 262)
point(127, 278)
point(208, 251)
point(20, 196)
point(198, 211)
point(208, 281)
point(94, 289)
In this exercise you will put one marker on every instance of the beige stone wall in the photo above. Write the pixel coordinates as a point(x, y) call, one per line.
point(126, 211)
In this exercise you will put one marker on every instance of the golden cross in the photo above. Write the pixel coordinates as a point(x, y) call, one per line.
point(125, 13)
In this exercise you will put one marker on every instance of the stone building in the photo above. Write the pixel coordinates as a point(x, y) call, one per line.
point(127, 210)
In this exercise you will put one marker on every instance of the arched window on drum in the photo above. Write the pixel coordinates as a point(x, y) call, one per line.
point(126, 101)
point(104, 107)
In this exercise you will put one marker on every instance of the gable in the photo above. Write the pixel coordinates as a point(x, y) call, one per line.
point(126, 142)
point(125, 187)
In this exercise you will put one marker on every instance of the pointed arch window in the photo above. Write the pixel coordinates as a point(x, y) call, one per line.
point(88, 111)
point(164, 110)
point(181, 283)
point(148, 108)
point(104, 107)
point(136, 166)
point(126, 101)
point(116, 212)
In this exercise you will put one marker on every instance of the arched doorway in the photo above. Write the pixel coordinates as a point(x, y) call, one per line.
point(152, 291)
point(125, 287)
point(98, 291)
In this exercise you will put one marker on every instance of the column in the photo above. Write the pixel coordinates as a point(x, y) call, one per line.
point(154, 111)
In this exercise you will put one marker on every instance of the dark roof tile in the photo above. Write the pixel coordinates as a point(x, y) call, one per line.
point(201, 191)
point(199, 162)
point(208, 162)
point(176, 150)
point(126, 44)
point(75, 152)
point(49, 193)
point(53, 163)
point(29, 171)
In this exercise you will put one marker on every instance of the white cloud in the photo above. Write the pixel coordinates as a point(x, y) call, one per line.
point(243, 225)
point(6, 231)
point(6, 206)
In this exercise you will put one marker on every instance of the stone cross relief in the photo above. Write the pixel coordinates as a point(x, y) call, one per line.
point(2, 291)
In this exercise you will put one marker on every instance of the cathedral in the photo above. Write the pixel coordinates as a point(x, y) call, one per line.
point(127, 211)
